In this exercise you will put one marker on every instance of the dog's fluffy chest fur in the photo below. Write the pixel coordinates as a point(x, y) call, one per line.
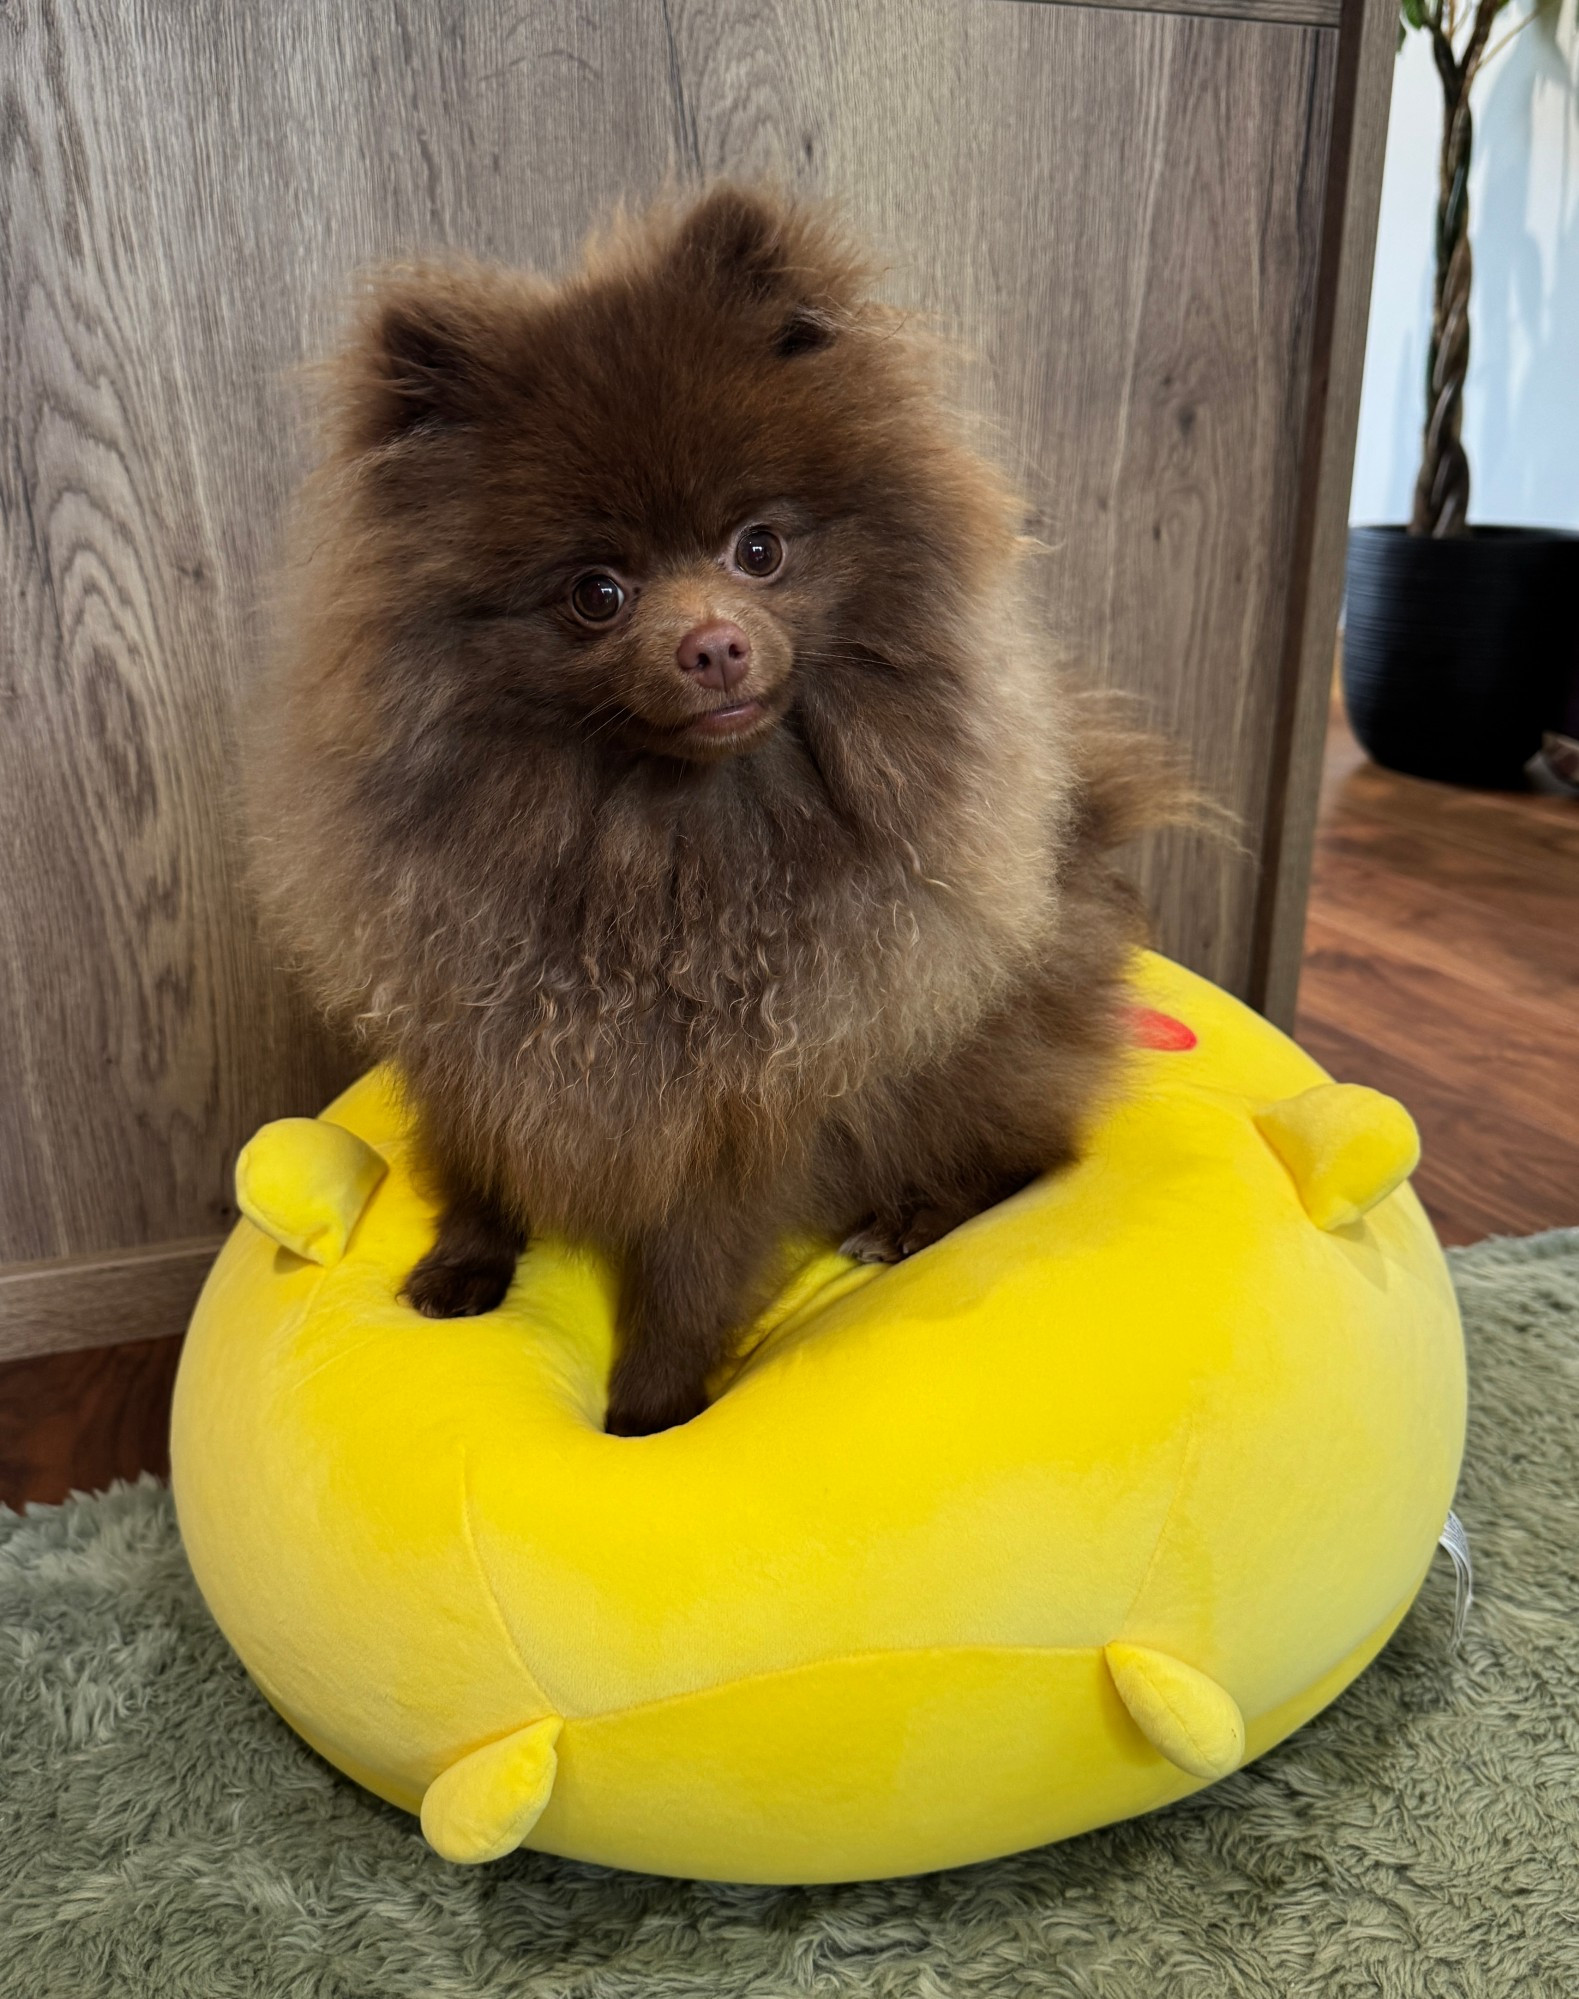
point(672, 981)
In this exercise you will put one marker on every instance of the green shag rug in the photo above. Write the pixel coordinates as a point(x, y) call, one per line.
point(163, 1836)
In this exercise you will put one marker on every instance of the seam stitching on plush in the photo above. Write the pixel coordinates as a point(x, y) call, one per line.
point(1167, 1521)
point(492, 1594)
point(832, 1659)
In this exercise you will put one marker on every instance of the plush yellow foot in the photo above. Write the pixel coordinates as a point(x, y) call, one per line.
point(1345, 1147)
point(1182, 1713)
point(305, 1183)
point(483, 1806)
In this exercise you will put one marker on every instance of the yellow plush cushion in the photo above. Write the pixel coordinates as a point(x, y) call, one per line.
point(1063, 1518)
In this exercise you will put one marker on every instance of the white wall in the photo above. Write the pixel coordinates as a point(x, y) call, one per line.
point(1521, 411)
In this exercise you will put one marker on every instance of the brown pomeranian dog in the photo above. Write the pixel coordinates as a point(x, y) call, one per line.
point(665, 774)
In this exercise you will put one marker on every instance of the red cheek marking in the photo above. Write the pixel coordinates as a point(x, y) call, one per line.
point(1160, 1030)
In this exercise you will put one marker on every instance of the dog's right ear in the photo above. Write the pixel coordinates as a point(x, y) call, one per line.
point(419, 360)
point(747, 249)
point(737, 243)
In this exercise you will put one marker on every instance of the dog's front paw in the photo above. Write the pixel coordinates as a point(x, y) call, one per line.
point(873, 1242)
point(891, 1238)
point(642, 1402)
point(440, 1288)
point(627, 1419)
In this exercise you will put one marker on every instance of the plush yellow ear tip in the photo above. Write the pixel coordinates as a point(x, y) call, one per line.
point(482, 1807)
point(1182, 1713)
point(305, 1182)
point(1345, 1147)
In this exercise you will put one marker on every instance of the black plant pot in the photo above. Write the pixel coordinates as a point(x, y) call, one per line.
point(1458, 653)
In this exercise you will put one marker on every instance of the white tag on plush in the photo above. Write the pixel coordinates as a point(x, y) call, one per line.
point(1456, 1542)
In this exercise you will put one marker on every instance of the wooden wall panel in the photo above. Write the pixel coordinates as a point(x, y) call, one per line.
point(99, 1300)
point(1116, 214)
point(1362, 99)
point(187, 190)
point(1295, 13)
point(1124, 251)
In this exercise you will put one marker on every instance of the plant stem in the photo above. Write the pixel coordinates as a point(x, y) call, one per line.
point(1441, 505)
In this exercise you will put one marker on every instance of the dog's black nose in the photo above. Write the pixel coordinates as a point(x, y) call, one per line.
point(717, 655)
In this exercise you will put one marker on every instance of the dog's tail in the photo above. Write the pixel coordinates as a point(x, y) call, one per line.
point(1129, 781)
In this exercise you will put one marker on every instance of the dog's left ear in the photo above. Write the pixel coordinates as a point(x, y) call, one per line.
point(754, 253)
point(432, 349)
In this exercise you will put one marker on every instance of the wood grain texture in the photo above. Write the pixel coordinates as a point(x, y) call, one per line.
point(73, 1422)
point(1116, 215)
point(1442, 965)
point(1359, 141)
point(186, 194)
point(1473, 1034)
point(1483, 1170)
point(1292, 13)
point(93, 1301)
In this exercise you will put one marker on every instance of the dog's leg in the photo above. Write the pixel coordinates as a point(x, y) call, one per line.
point(686, 1291)
point(963, 1138)
point(469, 1268)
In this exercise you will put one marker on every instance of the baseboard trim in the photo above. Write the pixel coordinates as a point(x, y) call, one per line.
point(104, 1300)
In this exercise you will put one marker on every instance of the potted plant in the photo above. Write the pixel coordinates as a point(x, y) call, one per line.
point(1459, 641)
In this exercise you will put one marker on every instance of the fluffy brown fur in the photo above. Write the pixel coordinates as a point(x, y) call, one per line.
point(848, 961)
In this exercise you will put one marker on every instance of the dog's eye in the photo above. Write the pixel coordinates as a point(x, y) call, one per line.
point(759, 552)
point(596, 599)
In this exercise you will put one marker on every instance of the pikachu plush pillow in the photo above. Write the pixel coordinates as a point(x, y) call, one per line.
point(1068, 1516)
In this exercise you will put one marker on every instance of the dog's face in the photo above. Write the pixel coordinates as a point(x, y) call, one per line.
point(653, 505)
point(678, 638)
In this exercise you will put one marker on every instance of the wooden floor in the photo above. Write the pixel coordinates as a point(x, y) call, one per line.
point(1442, 965)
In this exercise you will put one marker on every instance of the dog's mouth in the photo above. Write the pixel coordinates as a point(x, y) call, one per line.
point(738, 717)
point(724, 730)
